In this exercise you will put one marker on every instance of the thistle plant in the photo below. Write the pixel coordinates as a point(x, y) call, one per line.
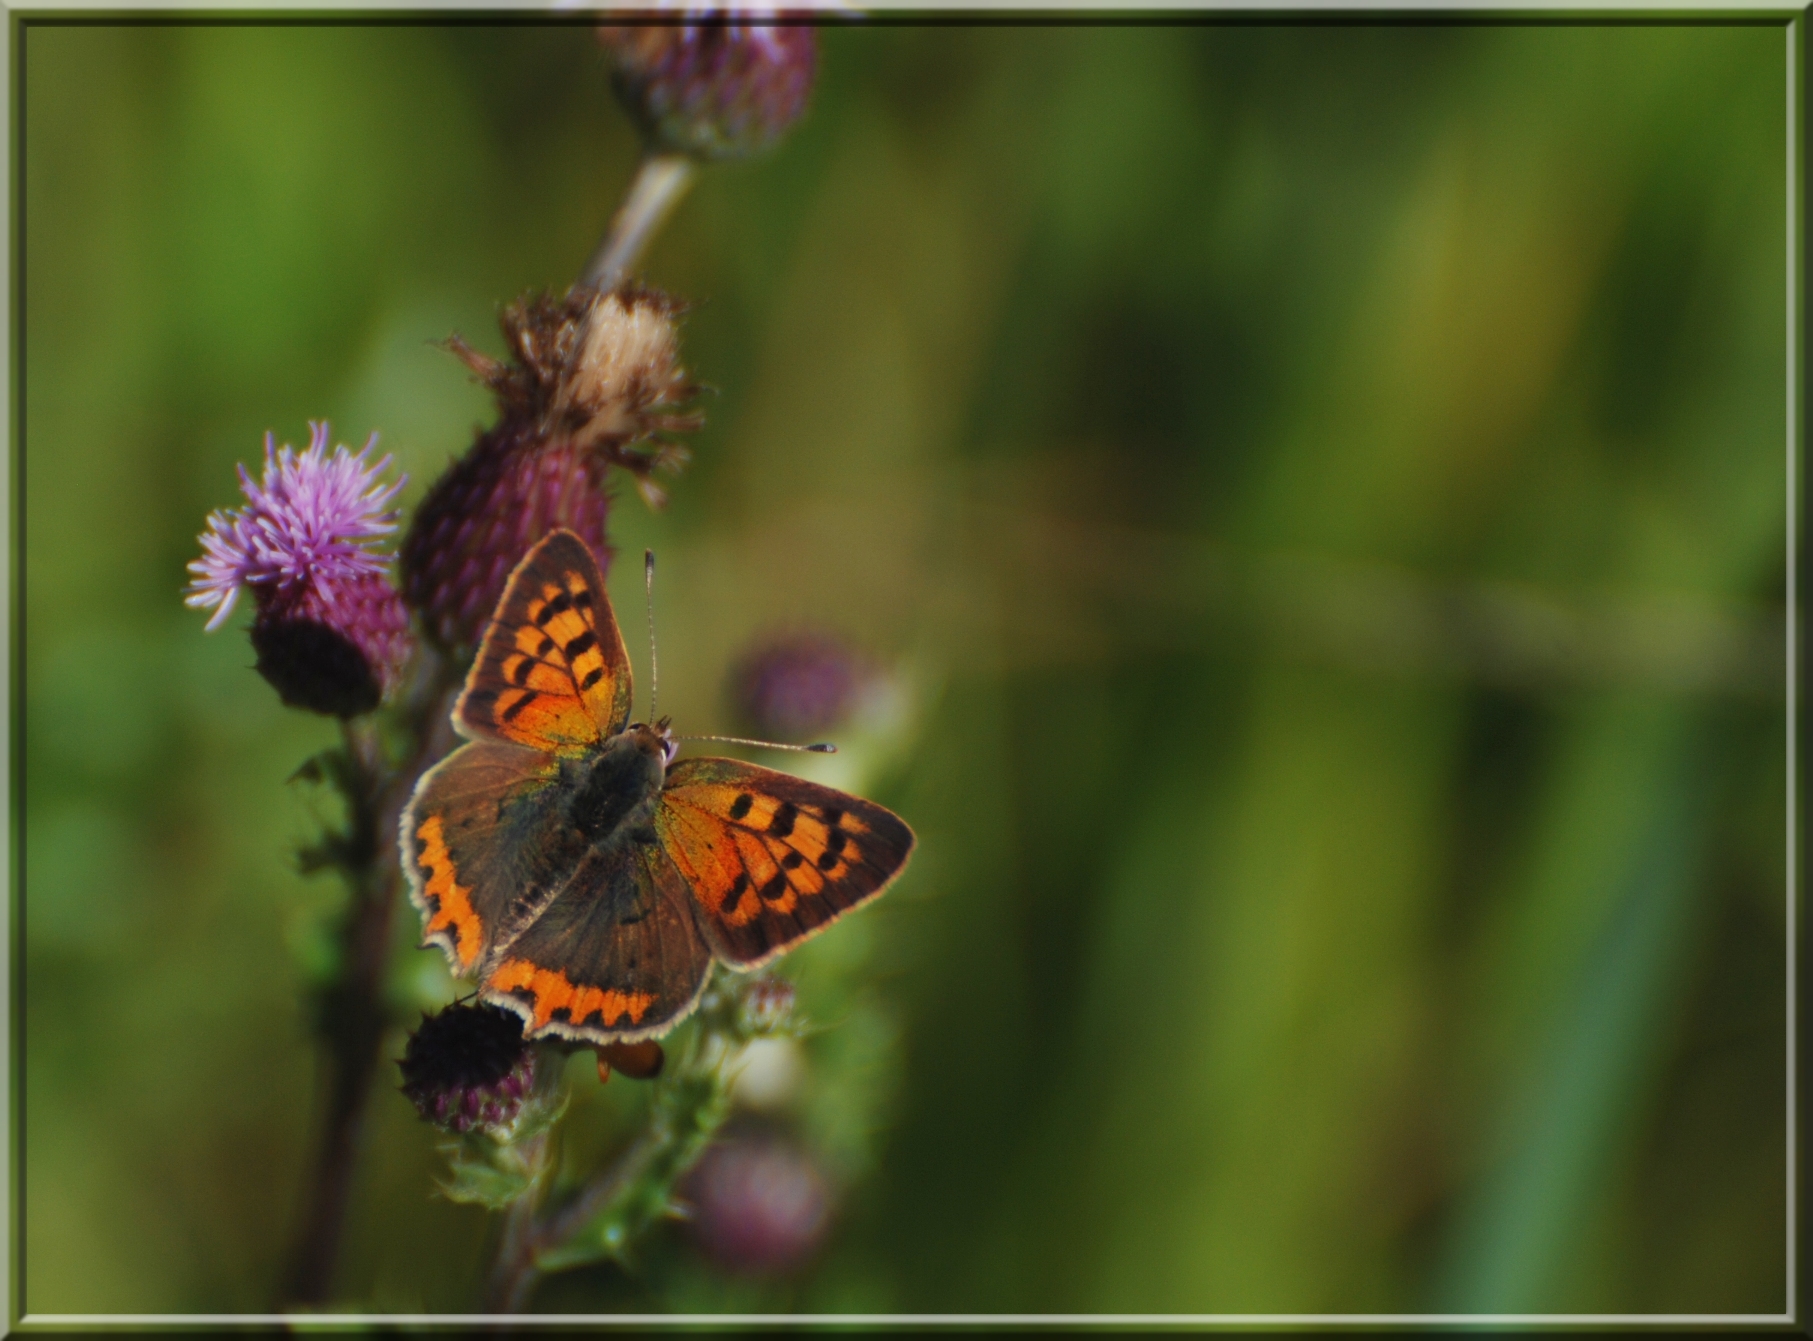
point(592, 386)
point(331, 634)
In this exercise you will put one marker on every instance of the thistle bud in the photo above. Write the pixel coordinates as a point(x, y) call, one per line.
point(469, 1067)
point(718, 88)
point(796, 685)
point(331, 633)
point(760, 1204)
point(592, 382)
point(766, 1005)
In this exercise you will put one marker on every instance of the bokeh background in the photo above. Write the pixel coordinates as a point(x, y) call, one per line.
point(1313, 497)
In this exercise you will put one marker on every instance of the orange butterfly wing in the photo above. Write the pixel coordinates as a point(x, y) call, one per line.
point(551, 672)
point(771, 858)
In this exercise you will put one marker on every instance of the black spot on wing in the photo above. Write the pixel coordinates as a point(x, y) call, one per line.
point(740, 807)
point(580, 645)
point(780, 824)
point(592, 677)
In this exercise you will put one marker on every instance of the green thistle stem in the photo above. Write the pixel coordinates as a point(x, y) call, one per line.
point(352, 1013)
point(660, 183)
point(509, 1284)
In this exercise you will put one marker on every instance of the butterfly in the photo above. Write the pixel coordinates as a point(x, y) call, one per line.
point(585, 880)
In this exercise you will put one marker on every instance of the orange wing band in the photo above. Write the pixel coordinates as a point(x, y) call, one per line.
point(552, 990)
point(452, 900)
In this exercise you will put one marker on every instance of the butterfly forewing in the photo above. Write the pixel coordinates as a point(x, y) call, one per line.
point(616, 957)
point(481, 841)
point(772, 858)
point(551, 672)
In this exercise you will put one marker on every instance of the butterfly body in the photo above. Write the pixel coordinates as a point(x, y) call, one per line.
point(585, 880)
point(616, 790)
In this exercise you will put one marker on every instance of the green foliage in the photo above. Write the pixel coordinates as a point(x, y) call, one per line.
point(495, 1168)
point(690, 1102)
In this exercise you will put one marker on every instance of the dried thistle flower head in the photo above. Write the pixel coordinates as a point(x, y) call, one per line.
point(331, 633)
point(716, 83)
point(628, 369)
point(599, 371)
point(593, 381)
point(592, 365)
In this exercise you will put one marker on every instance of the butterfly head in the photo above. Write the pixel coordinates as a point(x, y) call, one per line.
point(657, 740)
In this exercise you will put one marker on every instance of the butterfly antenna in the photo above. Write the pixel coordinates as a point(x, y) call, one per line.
point(654, 677)
point(821, 748)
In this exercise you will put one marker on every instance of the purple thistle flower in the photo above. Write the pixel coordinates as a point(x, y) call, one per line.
point(331, 633)
point(307, 523)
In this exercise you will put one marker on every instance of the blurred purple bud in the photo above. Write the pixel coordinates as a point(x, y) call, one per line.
point(760, 1204)
point(717, 83)
point(796, 685)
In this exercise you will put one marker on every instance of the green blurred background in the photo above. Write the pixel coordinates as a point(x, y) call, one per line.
point(1318, 492)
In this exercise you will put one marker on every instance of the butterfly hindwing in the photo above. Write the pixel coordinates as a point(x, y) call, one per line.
point(480, 837)
point(551, 672)
point(616, 958)
point(772, 858)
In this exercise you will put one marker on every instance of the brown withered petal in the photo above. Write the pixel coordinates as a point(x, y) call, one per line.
point(596, 367)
